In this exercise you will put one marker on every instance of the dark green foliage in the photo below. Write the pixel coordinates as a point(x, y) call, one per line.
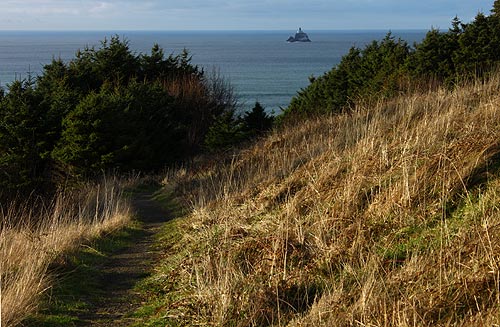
point(257, 121)
point(464, 51)
point(121, 128)
point(158, 67)
point(229, 130)
point(225, 133)
point(22, 135)
point(113, 62)
point(108, 108)
point(479, 46)
point(496, 8)
point(373, 71)
point(433, 57)
point(380, 64)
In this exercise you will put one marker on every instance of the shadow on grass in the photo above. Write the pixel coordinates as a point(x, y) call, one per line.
point(81, 284)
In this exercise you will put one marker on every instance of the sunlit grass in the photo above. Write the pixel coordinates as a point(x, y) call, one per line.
point(386, 215)
point(34, 235)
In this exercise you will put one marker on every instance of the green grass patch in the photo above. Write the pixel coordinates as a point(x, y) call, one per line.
point(425, 238)
point(148, 186)
point(165, 291)
point(79, 284)
point(165, 198)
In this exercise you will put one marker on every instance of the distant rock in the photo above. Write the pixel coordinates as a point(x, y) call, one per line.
point(300, 36)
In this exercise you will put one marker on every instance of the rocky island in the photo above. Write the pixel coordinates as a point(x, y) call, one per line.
point(300, 36)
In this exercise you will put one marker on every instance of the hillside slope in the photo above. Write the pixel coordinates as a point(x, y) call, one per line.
point(384, 216)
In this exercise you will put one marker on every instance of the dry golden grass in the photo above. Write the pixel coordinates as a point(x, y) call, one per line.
point(384, 216)
point(30, 241)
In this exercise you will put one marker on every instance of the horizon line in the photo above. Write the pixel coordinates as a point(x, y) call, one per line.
point(215, 30)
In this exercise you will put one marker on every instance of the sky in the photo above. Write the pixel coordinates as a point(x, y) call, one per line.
point(162, 15)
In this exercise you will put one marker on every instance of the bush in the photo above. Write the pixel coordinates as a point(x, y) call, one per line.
point(108, 108)
point(373, 71)
point(230, 131)
point(257, 121)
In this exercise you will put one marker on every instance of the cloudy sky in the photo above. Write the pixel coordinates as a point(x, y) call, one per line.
point(235, 14)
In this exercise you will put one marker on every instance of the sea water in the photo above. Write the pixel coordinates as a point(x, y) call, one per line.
point(260, 65)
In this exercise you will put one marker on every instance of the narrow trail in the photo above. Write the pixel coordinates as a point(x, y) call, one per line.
point(127, 267)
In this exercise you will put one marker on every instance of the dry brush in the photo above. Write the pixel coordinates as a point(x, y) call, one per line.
point(35, 234)
point(386, 215)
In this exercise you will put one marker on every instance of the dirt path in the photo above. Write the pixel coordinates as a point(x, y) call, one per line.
point(125, 268)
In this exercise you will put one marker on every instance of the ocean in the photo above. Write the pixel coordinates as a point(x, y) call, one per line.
point(259, 65)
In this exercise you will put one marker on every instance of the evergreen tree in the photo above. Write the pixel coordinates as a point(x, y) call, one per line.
point(108, 108)
point(257, 121)
point(433, 58)
point(479, 47)
point(372, 72)
point(121, 128)
point(225, 133)
point(156, 66)
point(22, 139)
point(496, 8)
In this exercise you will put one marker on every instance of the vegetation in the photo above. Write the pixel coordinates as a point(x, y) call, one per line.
point(372, 71)
point(383, 216)
point(106, 109)
point(35, 238)
point(390, 67)
point(381, 211)
point(229, 131)
point(81, 283)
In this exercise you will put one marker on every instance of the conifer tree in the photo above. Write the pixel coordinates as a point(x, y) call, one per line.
point(225, 133)
point(257, 121)
point(22, 138)
point(496, 8)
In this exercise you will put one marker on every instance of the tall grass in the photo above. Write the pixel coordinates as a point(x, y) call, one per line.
point(383, 216)
point(34, 234)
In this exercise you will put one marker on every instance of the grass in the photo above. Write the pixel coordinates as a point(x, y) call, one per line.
point(386, 215)
point(33, 242)
point(80, 281)
point(162, 291)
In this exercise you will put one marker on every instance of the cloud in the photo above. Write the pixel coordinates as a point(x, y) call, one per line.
point(100, 7)
point(32, 7)
point(234, 14)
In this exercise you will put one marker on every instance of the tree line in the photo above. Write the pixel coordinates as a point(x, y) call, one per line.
point(112, 109)
point(391, 66)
